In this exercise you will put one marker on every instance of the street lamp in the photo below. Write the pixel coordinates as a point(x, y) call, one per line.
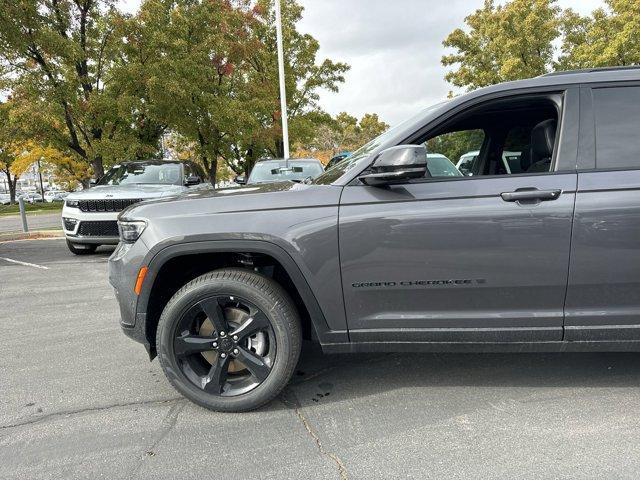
point(283, 92)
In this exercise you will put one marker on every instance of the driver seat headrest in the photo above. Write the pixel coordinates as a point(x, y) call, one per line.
point(543, 139)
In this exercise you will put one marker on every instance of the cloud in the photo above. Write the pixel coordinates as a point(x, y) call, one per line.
point(394, 49)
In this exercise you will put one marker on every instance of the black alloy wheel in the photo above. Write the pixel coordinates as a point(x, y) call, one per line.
point(225, 345)
point(229, 340)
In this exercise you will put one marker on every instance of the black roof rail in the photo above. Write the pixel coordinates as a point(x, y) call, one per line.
point(591, 70)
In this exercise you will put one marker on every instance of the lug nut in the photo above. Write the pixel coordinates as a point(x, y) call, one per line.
point(222, 334)
point(235, 337)
point(223, 355)
point(215, 344)
point(235, 351)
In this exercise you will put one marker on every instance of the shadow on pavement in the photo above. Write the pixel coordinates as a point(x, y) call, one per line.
point(335, 378)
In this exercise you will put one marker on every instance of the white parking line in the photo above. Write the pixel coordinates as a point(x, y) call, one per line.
point(26, 264)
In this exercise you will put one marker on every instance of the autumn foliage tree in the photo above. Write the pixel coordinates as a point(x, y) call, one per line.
point(106, 86)
point(525, 38)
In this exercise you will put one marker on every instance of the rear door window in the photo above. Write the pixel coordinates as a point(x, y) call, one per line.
point(617, 117)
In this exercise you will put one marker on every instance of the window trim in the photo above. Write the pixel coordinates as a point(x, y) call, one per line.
point(561, 104)
point(569, 128)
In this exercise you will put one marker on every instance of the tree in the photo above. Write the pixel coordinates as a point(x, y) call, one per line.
point(59, 53)
point(503, 42)
point(344, 133)
point(518, 40)
point(609, 36)
point(305, 77)
point(198, 67)
point(11, 144)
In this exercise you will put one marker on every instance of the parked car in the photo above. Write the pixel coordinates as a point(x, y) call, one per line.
point(5, 199)
point(336, 159)
point(440, 166)
point(468, 162)
point(281, 170)
point(51, 196)
point(32, 197)
point(377, 255)
point(89, 216)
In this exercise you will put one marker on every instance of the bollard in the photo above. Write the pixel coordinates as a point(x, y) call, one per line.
point(23, 214)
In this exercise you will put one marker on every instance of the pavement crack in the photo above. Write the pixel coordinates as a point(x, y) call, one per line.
point(80, 411)
point(294, 404)
point(169, 422)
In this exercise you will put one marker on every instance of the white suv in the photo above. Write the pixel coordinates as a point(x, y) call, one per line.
point(89, 217)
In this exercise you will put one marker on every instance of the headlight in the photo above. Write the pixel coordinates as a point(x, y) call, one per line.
point(71, 203)
point(130, 230)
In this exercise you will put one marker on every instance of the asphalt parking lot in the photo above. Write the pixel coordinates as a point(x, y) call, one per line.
point(80, 400)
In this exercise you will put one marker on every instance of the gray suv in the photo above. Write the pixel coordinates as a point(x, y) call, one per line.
point(381, 253)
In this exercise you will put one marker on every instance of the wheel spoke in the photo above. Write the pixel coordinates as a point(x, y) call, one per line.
point(254, 364)
point(257, 322)
point(217, 377)
point(214, 312)
point(190, 344)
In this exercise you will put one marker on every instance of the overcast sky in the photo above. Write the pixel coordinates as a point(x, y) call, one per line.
point(393, 47)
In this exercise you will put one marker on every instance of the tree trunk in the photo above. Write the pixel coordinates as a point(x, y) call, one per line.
point(98, 168)
point(279, 148)
point(213, 171)
point(12, 188)
point(249, 162)
point(211, 167)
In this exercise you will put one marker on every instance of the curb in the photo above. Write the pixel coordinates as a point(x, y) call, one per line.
point(36, 234)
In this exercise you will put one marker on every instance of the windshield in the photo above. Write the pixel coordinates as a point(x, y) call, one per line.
point(278, 172)
point(132, 173)
point(340, 168)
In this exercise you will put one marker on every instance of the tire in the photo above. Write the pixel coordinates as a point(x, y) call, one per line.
point(81, 249)
point(233, 293)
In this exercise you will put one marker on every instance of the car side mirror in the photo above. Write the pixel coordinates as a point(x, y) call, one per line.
point(397, 165)
point(93, 182)
point(192, 180)
point(240, 180)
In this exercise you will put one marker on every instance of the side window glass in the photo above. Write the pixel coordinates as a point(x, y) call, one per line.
point(617, 117)
point(518, 140)
point(454, 154)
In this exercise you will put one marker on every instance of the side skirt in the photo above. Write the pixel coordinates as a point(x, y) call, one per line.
point(478, 347)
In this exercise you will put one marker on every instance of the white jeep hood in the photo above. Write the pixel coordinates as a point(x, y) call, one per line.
point(133, 191)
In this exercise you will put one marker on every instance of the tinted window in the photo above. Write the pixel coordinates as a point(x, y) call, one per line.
point(441, 166)
point(518, 140)
point(461, 146)
point(617, 115)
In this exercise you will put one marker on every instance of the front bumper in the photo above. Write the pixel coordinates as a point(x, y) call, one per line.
point(90, 227)
point(124, 264)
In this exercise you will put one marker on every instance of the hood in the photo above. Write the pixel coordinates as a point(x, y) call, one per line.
point(252, 198)
point(145, 191)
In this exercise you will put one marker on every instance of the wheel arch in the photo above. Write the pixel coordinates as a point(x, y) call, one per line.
point(177, 264)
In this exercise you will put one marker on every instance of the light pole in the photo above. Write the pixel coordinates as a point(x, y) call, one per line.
point(283, 91)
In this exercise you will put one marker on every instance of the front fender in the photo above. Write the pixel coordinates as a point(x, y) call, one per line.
point(157, 257)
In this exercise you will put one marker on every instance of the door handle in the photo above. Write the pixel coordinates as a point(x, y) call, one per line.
point(530, 194)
